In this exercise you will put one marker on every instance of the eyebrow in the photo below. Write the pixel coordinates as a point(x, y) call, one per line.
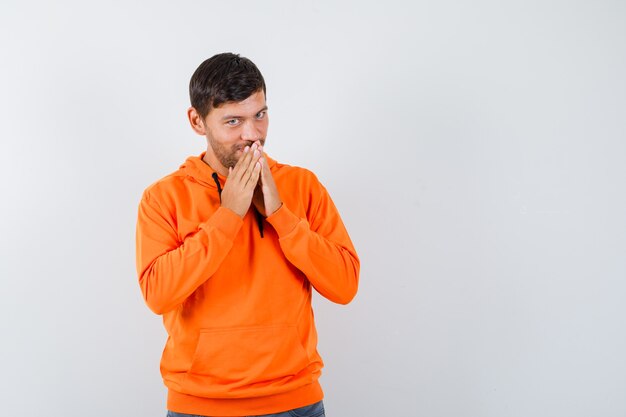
point(234, 116)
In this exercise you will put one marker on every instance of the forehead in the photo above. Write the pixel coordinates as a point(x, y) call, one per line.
point(248, 107)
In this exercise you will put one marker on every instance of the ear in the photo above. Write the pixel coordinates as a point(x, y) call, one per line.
point(197, 124)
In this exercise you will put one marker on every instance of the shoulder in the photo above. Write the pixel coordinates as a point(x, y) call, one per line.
point(164, 187)
point(294, 174)
point(301, 188)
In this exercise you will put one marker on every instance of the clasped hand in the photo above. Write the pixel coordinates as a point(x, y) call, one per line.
point(251, 182)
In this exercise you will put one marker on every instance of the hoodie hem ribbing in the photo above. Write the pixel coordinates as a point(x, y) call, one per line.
point(189, 404)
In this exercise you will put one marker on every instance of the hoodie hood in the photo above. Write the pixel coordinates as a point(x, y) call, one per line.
point(202, 173)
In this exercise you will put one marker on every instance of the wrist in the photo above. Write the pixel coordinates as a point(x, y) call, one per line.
point(241, 215)
point(270, 212)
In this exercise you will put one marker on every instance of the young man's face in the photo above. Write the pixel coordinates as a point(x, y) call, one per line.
point(233, 126)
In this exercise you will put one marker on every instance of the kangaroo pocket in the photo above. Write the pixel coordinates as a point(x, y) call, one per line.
point(247, 362)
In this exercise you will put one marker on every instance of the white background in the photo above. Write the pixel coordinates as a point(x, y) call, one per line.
point(475, 150)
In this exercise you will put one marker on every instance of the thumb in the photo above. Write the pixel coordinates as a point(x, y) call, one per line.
point(263, 166)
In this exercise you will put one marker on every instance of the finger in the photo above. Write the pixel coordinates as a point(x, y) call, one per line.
point(254, 177)
point(265, 172)
point(260, 160)
point(237, 168)
point(250, 153)
point(241, 163)
point(255, 155)
point(246, 163)
point(262, 169)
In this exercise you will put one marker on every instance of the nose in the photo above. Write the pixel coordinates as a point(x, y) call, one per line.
point(250, 132)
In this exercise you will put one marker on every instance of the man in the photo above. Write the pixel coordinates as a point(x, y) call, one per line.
point(228, 249)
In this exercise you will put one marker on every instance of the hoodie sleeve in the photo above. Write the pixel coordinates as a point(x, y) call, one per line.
point(170, 270)
point(319, 246)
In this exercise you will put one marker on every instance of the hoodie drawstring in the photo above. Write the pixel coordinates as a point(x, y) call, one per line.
point(259, 221)
point(259, 216)
point(217, 182)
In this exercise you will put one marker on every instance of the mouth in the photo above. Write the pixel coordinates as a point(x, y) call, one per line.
point(239, 148)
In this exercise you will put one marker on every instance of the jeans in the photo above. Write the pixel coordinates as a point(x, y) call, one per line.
point(313, 410)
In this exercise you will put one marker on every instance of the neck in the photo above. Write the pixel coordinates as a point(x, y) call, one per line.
point(214, 163)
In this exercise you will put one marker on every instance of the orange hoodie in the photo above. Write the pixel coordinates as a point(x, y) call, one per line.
point(235, 294)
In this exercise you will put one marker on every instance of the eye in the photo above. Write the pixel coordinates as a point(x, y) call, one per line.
point(261, 114)
point(232, 122)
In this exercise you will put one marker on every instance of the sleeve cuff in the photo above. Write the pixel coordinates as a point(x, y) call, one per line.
point(283, 221)
point(226, 221)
